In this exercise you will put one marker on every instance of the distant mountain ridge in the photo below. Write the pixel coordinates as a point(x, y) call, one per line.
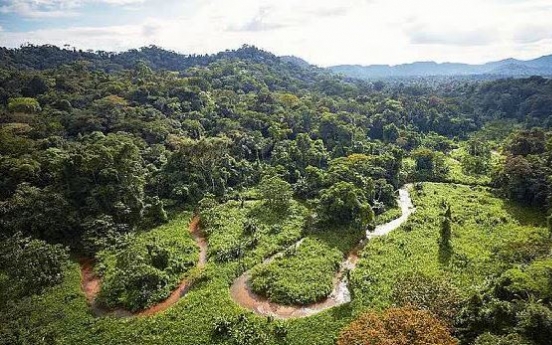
point(508, 68)
point(49, 56)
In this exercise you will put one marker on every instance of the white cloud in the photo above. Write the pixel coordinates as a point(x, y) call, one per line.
point(328, 32)
point(54, 8)
point(533, 33)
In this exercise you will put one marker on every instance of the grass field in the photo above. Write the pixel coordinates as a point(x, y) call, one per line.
point(303, 275)
point(484, 231)
point(482, 225)
point(149, 268)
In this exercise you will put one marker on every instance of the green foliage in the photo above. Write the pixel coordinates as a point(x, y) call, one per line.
point(154, 213)
point(30, 265)
point(485, 224)
point(526, 170)
point(42, 213)
point(196, 168)
point(535, 323)
point(119, 138)
point(242, 330)
point(303, 275)
point(231, 238)
point(477, 160)
point(102, 233)
point(527, 142)
point(276, 193)
point(534, 280)
point(148, 268)
point(524, 248)
point(549, 222)
point(510, 339)
point(430, 165)
point(344, 204)
point(390, 133)
point(446, 227)
point(24, 105)
point(387, 216)
point(435, 294)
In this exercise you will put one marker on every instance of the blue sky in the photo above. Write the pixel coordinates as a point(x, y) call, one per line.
point(324, 32)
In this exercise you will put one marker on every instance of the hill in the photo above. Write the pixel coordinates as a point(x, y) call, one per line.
point(504, 68)
point(150, 182)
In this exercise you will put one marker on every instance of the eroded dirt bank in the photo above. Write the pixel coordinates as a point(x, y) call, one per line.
point(91, 283)
point(243, 295)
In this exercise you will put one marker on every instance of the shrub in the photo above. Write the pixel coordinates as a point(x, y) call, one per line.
point(533, 280)
point(24, 105)
point(154, 213)
point(434, 294)
point(396, 326)
point(344, 204)
point(31, 265)
point(276, 193)
point(240, 330)
point(535, 322)
point(145, 273)
point(103, 233)
point(302, 276)
point(510, 339)
point(524, 247)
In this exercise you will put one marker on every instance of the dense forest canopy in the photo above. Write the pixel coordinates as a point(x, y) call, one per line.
point(97, 147)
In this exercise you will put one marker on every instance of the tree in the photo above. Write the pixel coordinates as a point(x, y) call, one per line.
point(42, 213)
point(397, 326)
point(196, 168)
point(344, 204)
point(434, 294)
point(535, 323)
point(477, 159)
point(105, 174)
point(276, 193)
point(101, 233)
point(154, 212)
point(526, 142)
point(390, 133)
point(430, 165)
point(32, 265)
point(24, 105)
point(516, 178)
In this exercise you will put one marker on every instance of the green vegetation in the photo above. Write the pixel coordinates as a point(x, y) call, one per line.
point(29, 266)
point(101, 153)
point(245, 234)
point(387, 216)
point(23, 105)
point(146, 269)
point(303, 275)
point(482, 227)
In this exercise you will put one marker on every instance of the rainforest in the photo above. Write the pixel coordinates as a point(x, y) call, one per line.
point(151, 197)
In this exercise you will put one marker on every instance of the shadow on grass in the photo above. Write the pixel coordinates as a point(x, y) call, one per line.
point(445, 254)
point(344, 311)
point(343, 239)
point(525, 215)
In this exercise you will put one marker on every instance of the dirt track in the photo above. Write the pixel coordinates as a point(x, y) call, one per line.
point(91, 283)
point(243, 295)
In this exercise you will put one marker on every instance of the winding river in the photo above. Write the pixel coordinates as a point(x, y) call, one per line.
point(240, 290)
point(242, 294)
point(91, 283)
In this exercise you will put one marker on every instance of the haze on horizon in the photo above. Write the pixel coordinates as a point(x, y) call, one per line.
point(323, 32)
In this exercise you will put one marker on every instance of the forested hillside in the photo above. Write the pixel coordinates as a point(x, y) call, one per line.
point(497, 69)
point(104, 157)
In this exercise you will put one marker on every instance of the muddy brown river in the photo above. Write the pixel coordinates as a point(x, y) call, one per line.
point(243, 295)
